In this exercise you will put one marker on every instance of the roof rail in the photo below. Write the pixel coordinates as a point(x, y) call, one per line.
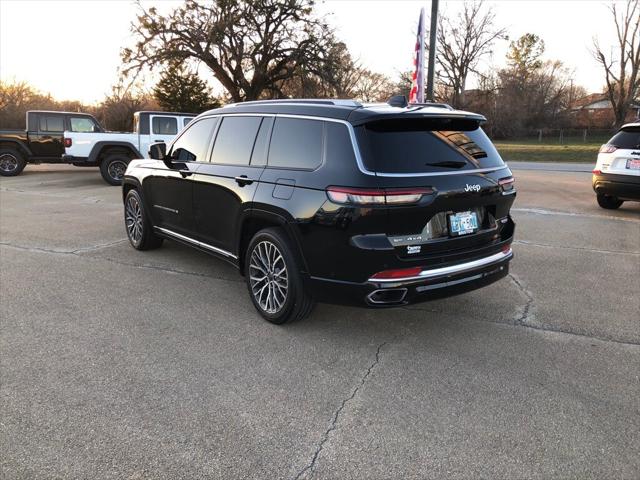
point(299, 101)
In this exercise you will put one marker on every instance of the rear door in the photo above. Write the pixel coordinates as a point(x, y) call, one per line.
point(441, 178)
point(626, 156)
point(47, 141)
point(224, 187)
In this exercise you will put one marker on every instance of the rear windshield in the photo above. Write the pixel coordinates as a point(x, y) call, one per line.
point(425, 145)
point(627, 138)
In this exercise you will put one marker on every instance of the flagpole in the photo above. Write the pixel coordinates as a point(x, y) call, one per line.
point(432, 49)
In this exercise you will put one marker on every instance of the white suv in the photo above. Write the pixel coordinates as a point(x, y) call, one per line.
point(616, 177)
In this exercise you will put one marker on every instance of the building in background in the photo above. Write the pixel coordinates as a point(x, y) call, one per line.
point(594, 111)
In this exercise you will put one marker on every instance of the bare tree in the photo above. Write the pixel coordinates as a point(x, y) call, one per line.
point(372, 86)
point(116, 110)
point(462, 42)
point(17, 97)
point(251, 46)
point(622, 69)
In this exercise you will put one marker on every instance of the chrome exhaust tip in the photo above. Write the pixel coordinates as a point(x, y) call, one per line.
point(387, 296)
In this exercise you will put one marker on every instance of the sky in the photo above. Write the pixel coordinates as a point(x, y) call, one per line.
point(71, 48)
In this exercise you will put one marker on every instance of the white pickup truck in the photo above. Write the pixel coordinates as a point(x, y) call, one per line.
point(112, 151)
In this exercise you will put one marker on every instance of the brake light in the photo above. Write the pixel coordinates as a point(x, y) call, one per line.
point(607, 148)
point(368, 196)
point(596, 172)
point(412, 195)
point(67, 142)
point(399, 273)
point(506, 181)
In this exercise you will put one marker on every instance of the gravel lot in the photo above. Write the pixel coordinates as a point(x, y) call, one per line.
point(121, 364)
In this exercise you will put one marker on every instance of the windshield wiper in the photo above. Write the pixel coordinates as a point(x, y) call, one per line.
point(448, 164)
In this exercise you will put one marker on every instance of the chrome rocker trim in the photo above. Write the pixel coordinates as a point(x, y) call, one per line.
point(451, 270)
point(192, 241)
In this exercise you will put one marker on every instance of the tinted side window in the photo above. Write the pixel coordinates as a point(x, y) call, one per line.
point(164, 125)
point(629, 138)
point(81, 124)
point(296, 143)
point(186, 121)
point(338, 146)
point(193, 144)
point(51, 123)
point(235, 139)
point(261, 147)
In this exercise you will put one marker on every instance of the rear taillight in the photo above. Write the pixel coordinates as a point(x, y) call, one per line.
point(399, 273)
point(596, 171)
point(368, 196)
point(67, 142)
point(506, 183)
point(607, 148)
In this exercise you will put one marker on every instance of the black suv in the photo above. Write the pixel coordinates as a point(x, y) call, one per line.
point(331, 201)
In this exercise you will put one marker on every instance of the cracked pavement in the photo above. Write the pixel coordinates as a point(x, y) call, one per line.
point(122, 364)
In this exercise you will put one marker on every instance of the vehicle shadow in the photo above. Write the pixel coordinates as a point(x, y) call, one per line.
point(69, 177)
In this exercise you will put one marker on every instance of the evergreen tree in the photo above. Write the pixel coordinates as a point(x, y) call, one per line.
point(181, 91)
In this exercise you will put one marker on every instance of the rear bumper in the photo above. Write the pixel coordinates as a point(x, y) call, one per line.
point(430, 284)
point(625, 187)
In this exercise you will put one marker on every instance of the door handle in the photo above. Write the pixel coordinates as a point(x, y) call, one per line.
point(243, 180)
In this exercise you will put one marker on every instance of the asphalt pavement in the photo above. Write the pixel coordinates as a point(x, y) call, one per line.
point(116, 363)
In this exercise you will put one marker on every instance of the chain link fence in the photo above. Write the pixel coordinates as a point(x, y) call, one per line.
point(565, 136)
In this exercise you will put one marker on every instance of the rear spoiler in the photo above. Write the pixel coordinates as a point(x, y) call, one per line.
point(358, 117)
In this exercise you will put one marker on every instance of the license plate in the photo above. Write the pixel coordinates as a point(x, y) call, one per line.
point(463, 223)
point(633, 164)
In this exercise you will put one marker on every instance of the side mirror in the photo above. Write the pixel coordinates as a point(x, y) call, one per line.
point(96, 129)
point(158, 151)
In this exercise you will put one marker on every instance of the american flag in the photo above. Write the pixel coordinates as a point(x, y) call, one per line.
point(417, 84)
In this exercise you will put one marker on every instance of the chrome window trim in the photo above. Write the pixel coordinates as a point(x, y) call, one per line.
point(450, 270)
point(356, 149)
point(196, 242)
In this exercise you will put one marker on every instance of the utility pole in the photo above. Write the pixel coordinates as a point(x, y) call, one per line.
point(432, 49)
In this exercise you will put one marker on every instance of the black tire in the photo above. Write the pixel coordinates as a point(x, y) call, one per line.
point(137, 224)
point(12, 162)
point(609, 202)
point(112, 168)
point(296, 303)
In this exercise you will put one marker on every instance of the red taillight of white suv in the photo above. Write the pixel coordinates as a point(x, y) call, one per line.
point(67, 142)
point(607, 148)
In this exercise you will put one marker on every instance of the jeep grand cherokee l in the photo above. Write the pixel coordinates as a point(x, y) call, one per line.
point(331, 201)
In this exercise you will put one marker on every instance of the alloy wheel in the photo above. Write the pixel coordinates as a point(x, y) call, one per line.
point(268, 277)
point(8, 162)
point(133, 219)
